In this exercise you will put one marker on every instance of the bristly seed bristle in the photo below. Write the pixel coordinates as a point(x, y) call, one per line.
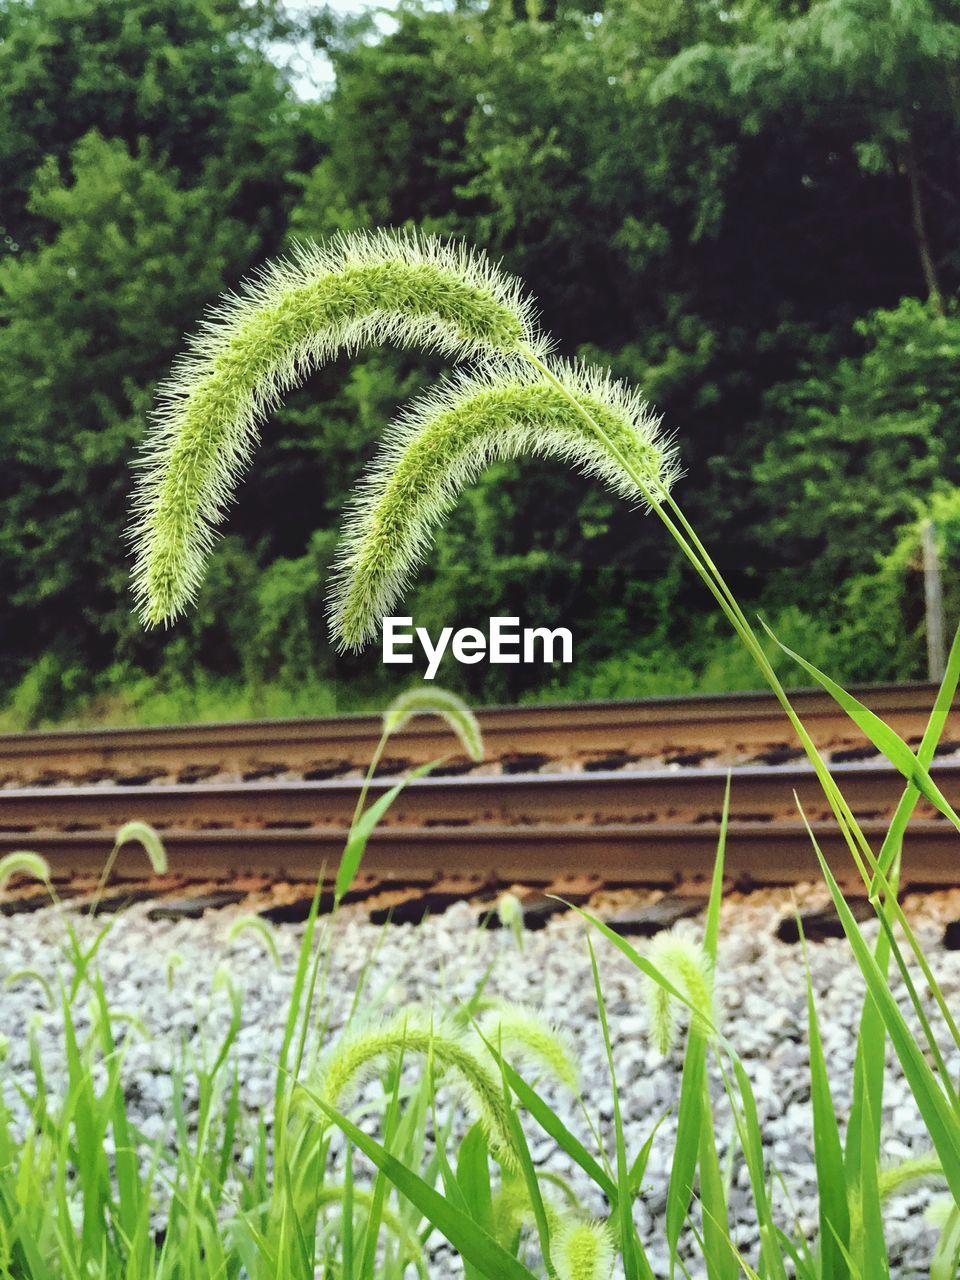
point(360, 289)
point(444, 440)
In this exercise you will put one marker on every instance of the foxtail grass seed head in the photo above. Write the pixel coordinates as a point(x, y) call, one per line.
point(436, 702)
point(360, 289)
point(454, 1052)
point(510, 915)
point(905, 1175)
point(31, 975)
point(524, 1036)
point(258, 927)
point(583, 1251)
point(116, 1018)
point(685, 965)
point(511, 1209)
point(223, 982)
point(365, 1200)
point(445, 440)
point(149, 840)
point(939, 1212)
point(174, 961)
point(23, 862)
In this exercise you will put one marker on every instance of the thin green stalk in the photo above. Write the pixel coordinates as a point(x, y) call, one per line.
point(104, 877)
point(688, 541)
point(368, 777)
point(925, 752)
point(693, 549)
point(845, 817)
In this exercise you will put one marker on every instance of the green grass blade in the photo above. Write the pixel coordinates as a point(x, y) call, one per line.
point(828, 1154)
point(126, 1162)
point(529, 1178)
point(635, 1265)
point(476, 1245)
point(751, 1141)
point(639, 961)
point(364, 827)
point(925, 752)
point(455, 1195)
point(719, 1258)
point(346, 1230)
point(946, 1258)
point(552, 1125)
point(639, 1166)
point(712, 928)
point(695, 1141)
point(690, 1119)
point(294, 1010)
point(473, 1175)
point(375, 1217)
point(886, 740)
point(873, 1247)
point(942, 1123)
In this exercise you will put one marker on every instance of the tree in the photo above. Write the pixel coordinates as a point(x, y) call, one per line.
point(875, 83)
point(145, 155)
point(84, 323)
point(183, 77)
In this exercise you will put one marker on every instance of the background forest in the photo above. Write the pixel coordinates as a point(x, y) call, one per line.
point(752, 211)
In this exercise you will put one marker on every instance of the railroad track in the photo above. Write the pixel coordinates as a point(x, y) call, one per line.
point(630, 793)
point(724, 728)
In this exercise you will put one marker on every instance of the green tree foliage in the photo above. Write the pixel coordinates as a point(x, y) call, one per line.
point(752, 211)
point(132, 255)
point(182, 76)
point(854, 448)
point(146, 149)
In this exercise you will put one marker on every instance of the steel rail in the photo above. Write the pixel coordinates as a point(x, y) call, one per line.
point(725, 727)
point(625, 825)
point(758, 793)
point(758, 853)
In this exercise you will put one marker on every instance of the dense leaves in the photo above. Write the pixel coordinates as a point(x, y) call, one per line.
point(752, 212)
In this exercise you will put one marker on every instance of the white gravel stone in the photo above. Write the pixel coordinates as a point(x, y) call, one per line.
point(761, 996)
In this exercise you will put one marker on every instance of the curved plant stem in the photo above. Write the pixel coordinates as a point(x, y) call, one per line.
point(871, 868)
point(685, 537)
point(368, 778)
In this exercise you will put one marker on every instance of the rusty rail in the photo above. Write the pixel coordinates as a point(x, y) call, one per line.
point(625, 826)
point(726, 728)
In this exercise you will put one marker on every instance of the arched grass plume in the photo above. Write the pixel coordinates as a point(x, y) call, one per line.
point(31, 975)
point(174, 962)
point(361, 289)
point(525, 1037)
point(259, 927)
point(420, 701)
point(23, 862)
point(149, 840)
point(512, 1209)
point(510, 916)
point(366, 1201)
point(684, 964)
point(356, 1057)
point(444, 441)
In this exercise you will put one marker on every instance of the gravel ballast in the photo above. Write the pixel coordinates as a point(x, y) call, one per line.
point(761, 998)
